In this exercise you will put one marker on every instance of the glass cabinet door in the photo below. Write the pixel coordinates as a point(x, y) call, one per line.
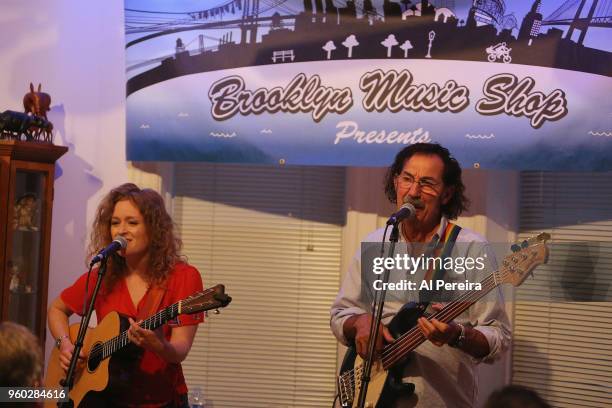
point(25, 246)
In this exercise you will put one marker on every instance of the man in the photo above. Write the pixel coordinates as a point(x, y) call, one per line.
point(443, 369)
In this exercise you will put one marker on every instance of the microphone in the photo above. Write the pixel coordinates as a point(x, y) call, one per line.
point(407, 210)
point(118, 243)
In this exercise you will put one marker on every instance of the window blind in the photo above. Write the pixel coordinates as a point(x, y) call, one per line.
point(273, 236)
point(562, 346)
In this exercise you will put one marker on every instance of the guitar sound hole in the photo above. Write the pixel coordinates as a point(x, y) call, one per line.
point(95, 357)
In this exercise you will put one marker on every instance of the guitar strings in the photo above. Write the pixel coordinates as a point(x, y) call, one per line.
point(110, 346)
point(351, 374)
point(390, 350)
point(394, 351)
point(104, 350)
point(414, 337)
point(464, 301)
point(407, 340)
point(457, 305)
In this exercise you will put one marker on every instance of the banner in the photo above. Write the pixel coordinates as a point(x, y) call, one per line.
point(516, 85)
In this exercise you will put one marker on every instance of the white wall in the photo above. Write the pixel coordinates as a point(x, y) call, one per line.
point(76, 50)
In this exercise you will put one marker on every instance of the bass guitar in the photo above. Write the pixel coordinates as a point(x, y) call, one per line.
point(107, 338)
point(385, 377)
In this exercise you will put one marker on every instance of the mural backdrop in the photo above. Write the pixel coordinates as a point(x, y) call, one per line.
point(519, 84)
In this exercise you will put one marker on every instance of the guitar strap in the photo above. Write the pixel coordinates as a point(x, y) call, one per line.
point(447, 243)
point(152, 302)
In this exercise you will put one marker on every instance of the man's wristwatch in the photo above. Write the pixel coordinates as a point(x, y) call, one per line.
point(58, 341)
point(460, 340)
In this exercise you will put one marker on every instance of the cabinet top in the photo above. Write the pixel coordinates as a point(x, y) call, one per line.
point(31, 151)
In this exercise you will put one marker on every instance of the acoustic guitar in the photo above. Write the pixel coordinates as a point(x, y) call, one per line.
point(386, 374)
point(107, 338)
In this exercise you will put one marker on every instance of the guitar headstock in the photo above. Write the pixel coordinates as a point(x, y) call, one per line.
point(524, 259)
point(211, 298)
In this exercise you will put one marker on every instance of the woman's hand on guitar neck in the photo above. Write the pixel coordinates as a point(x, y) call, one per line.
point(358, 328)
point(151, 340)
point(66, 348)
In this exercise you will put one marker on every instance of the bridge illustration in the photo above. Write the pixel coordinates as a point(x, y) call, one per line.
point(257, 32)
point(572, 13)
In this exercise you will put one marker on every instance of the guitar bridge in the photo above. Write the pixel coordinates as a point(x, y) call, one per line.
point(346, 390)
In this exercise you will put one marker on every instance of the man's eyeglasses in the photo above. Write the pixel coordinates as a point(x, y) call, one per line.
point(427, 186)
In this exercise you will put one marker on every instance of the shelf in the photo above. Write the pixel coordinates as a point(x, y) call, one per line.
point(31, 151)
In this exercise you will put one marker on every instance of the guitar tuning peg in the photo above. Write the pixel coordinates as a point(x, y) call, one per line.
point(524, 244)
point(217, 311)
point(515, 248)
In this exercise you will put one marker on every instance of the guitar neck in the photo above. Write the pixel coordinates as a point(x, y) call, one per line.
point(413, 338)
point(157, 320)
point(452, 310)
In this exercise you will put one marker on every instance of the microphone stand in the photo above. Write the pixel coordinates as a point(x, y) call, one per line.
point(78, 345)
point(375, 322)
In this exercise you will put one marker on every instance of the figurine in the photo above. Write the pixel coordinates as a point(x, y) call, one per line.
point(25, 212)
point(15, 280)
point(16, 125)
point(38, 103)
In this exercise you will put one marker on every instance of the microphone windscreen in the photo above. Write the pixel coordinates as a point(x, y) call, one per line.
point(122, 241)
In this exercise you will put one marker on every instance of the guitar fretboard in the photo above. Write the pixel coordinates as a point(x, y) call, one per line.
point(410, 340)
point(106, 349)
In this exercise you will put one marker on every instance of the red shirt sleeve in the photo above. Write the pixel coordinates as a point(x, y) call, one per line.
point(186, 281)
point(73, 296)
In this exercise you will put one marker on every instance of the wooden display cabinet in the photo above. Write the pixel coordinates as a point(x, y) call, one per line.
point(27, 171)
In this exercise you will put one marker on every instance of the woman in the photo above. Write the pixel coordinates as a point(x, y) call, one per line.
point(143, 278)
